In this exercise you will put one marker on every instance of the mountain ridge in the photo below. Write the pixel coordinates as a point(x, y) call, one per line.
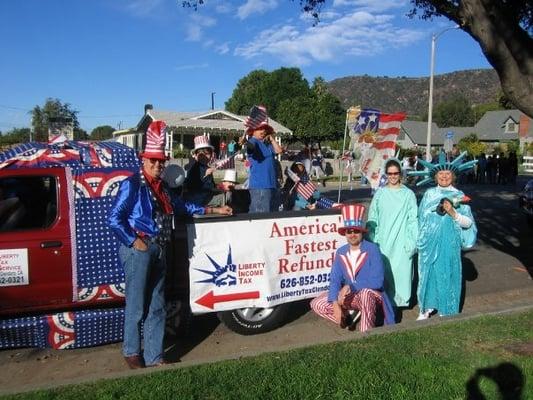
point(411, 94)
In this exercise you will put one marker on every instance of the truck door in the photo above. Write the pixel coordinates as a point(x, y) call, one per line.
point(35, 240)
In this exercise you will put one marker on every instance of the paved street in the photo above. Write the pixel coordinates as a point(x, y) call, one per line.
point(497, 276)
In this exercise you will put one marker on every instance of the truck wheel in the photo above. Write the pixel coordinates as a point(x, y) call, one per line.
point(250, 321)
point(178, 318)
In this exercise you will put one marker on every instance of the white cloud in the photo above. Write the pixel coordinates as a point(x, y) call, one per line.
point(142, 8)
point(370, 5)
point(222, 48)
point(195, 27)
point(358, 33)
point(256, 7)
point(187, 67)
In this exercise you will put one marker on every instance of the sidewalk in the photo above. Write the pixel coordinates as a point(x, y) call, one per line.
point(31, 369)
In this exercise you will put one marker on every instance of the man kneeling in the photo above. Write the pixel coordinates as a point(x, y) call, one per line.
point(357, 278)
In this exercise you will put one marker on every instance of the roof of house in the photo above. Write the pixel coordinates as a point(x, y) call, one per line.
point(214, 120)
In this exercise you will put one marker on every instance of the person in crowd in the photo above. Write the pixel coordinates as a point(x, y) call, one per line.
point(491, 169)
point(142, 218)
point(238, 200)
point(481, 168)
point(393, 225)
point(502, 167)
point(316, 166)
point(305, 157)
point(261, 149)
point(222, 149)
point(357, 278)
point(446, 225)
point(299, 193)
point(199, 184)
point(232, 147)
point(512, 168)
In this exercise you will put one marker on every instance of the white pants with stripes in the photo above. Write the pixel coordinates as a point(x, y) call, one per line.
point(366, 301)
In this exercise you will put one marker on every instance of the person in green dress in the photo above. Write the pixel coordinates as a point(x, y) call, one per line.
point(393, 225)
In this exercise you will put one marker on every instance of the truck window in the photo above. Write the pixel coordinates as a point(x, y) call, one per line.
point(27, 202)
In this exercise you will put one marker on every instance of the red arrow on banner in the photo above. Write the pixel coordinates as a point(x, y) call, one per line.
point(208, 300)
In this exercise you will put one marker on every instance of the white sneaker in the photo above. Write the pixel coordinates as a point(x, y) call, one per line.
point(422, 316)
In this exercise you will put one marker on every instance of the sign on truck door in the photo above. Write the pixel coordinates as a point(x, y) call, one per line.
point(35, 240)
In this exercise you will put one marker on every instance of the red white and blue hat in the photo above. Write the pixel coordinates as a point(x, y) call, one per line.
point(353, 218)
point(155, 141)
point(201, 142)
point(258, 119)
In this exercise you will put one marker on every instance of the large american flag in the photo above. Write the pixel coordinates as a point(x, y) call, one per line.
point(378, 133)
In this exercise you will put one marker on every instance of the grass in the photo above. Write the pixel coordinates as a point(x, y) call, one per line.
point(428, 363)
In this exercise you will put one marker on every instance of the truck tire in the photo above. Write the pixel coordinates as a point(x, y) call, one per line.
point(251, 321)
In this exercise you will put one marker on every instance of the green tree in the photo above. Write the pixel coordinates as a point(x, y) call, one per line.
point(454, 112)
point(267, 88)
point(472, 145)
point(102, 132)
point(503, 29)
point(53, 108)
point(80, 134)
point(15, 136)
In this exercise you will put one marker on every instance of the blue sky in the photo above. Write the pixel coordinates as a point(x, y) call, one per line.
point(108, 58)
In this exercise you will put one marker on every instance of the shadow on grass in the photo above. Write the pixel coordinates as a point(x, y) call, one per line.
point(508, 378)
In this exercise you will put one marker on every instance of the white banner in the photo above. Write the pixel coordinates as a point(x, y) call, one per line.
point(260, 263)
point(14, 267)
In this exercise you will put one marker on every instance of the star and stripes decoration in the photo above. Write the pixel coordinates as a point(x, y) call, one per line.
point(305, 187)
point(258, 117)
point(378, 133)
point(226, 163)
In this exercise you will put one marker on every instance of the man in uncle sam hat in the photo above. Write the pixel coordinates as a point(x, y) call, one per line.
point(142, 218)
point(200, 185)
point(357, 278)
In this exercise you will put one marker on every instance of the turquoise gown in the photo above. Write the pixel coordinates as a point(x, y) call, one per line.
point(440, 242)
point(393, 225)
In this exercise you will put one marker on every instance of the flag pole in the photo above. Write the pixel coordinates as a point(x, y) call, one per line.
point(342, 154)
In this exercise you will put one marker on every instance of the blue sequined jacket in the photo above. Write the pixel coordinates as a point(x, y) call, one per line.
point(133, 210)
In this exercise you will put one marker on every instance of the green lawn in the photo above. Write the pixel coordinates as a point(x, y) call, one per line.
point(428, 363)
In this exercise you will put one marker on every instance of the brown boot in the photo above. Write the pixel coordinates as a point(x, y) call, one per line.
point(134, 362)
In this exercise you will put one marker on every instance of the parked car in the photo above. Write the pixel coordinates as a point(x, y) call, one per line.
point(525, 201)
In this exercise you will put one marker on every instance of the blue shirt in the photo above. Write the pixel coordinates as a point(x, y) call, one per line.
point(262, 164)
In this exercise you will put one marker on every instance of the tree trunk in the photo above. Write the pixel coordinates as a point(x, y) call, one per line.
point(508, 48)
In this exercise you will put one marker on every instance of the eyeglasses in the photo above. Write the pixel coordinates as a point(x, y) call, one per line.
point(352, 231)
point(393, 173)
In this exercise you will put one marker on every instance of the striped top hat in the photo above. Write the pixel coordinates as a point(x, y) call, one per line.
point(258, 119)
point(353, 218)
point(155, 141)
point(201, 142)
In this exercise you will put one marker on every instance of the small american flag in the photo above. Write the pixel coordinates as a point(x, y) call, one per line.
point(258, 114)
point(305, 187)
point(226, 163)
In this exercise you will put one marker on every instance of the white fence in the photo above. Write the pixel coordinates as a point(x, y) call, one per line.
point(528, 163)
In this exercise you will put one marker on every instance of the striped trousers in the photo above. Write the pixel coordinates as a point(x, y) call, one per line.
point(366, 301)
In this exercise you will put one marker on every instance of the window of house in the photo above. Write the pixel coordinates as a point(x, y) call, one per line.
point(27, 202)
point(511, 127)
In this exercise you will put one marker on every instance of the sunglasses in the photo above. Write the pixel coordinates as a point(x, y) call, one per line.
point(156, 160)
point(352, 231)
point(206, 151)
point(393, 173)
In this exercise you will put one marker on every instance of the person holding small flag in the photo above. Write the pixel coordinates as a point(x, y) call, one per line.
point(300, 192)
point(261, 149)
point(357, 278)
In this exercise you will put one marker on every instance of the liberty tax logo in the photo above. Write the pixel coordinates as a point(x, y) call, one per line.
point(222, 275)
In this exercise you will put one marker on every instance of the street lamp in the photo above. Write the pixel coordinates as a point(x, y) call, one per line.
point(434, 38)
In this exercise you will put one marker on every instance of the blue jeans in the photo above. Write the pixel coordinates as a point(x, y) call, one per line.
point(145, 301)
point(261, 200)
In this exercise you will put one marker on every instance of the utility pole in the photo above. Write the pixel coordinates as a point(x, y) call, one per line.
point(213, 100)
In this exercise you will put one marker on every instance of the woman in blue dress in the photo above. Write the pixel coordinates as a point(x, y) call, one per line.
point(446, 226)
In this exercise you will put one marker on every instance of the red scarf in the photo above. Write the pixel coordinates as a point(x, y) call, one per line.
point(156, 185)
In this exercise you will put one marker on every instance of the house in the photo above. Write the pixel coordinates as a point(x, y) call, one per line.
point(494, 127)
point(184, 126)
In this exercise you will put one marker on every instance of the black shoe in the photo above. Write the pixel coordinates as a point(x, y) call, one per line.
point(134, 362)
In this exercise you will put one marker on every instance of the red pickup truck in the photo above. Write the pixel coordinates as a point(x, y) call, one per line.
point(62, 285)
